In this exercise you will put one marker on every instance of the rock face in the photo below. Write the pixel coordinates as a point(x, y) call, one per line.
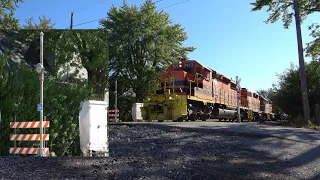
point(142, 152)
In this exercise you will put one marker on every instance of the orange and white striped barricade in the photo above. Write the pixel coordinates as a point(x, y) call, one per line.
point(28, 137)
point(113, 115)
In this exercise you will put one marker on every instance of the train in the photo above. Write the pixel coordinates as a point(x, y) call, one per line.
point(189, 91)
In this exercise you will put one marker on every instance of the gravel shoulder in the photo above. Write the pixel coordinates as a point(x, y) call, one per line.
point(144, 151)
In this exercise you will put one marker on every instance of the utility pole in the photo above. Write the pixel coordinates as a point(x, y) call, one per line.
point(305, 101)
point(238, 97)
point(71, 21)
point(71, 26)
point(116, 102)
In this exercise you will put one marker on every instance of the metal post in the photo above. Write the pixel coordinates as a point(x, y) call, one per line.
point(305, 101)
point(0, 134)
point(44, 132)
point(15, 132)
point(238, 99)
point(116, 102)
point(41, 94)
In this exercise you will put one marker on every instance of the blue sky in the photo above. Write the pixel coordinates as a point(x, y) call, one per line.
point(229, 37)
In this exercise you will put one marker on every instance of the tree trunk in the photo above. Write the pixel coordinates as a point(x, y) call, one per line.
point(317, 114)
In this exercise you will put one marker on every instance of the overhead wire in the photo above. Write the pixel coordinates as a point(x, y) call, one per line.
point(176, 4)
point(84, 8)
point(106, 17)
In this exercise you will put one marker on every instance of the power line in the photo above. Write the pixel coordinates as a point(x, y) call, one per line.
point(158, 1)
point(84, 8)
point(89, 22)
point(176, 4)
point(106, 17)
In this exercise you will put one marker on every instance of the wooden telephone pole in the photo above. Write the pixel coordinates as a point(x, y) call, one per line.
point(71, 26)
point(71, 21)
point(304, 90)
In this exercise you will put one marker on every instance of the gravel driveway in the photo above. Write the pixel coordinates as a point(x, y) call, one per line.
point(160, 152)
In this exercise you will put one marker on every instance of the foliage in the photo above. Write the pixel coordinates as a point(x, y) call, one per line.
point(285, 9)
point(7, 20)
point(142, 42)
point(71, 50)
point(268, 94)
point(20, 85)
point(19, 98)
point(313, 47)
point(44, 23)
point(61, 106)
point(288, 93)
point(91, 49)
point(62, 110)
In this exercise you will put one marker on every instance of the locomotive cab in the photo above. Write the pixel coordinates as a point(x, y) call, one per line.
point(182, 76)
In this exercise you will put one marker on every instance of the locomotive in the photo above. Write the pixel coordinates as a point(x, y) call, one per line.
point(190, 91)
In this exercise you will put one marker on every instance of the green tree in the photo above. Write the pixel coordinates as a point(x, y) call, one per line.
point(91, 51)
point(142, 42)
point(268, 93)
point(7, 20)
point(285, 9)
point(287, 91)
point(313, 47)
point(44, 23)
point(70, 50)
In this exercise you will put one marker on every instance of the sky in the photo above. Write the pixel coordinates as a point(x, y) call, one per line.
point(229, 37)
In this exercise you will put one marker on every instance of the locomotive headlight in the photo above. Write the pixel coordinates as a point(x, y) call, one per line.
point(180, 62)
point(170, 98)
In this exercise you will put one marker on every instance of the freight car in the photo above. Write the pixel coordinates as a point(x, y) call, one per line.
point(190, 91)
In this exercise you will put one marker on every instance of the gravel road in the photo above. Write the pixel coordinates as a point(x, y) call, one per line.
point(162, 152)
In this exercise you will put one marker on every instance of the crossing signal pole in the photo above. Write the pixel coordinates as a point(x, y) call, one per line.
point(238, 97)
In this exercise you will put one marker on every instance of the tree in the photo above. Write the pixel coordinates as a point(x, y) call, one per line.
point(313, 47)
point(285, 9)
point(70, 50)
point(90, 48)
point(7, 8)
point(287, 95)
point(142, 42)
point(301, 10)
point(44, 23)
point(269, 93)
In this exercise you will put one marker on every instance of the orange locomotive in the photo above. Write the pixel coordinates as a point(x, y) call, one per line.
point(190, 91)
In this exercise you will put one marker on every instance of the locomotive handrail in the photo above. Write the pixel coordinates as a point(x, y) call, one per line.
point(190, 87)
point(165, 84)
point(173, 82)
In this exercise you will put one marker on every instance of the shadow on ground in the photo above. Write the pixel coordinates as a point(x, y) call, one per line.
point(162, 152)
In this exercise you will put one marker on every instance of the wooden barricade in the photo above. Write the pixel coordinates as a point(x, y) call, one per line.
point(113, 115)
point(28, 137)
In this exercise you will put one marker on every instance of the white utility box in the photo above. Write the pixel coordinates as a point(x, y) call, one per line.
point(136, 111)
point(93, 127)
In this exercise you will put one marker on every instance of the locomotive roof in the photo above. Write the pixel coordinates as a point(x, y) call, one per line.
point(222, 77)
